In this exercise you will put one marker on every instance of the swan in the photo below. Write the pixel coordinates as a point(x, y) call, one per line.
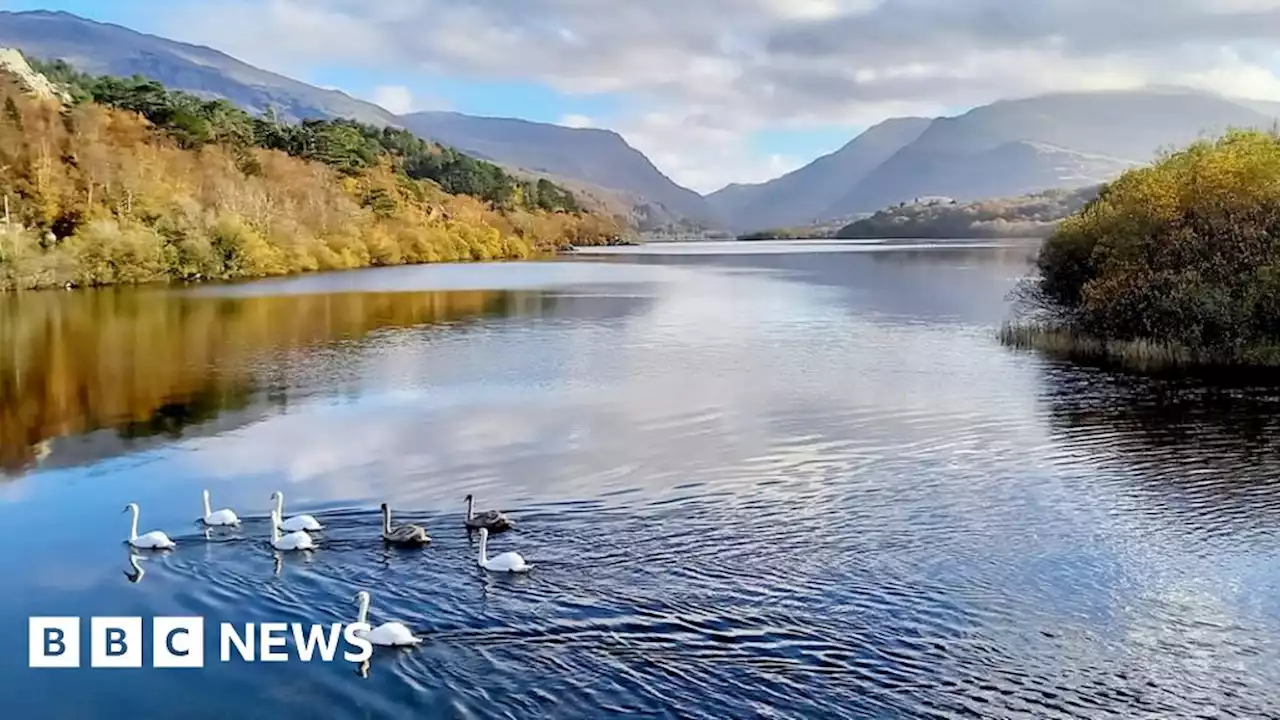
point(506, 562)
point(489, 519)
point(295, 523)
point(223, 517)
point(152, 540)
point(297, 540)
point(388, 633)
point(403, 534)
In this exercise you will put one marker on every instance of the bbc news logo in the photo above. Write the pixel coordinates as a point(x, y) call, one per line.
point(178, 642)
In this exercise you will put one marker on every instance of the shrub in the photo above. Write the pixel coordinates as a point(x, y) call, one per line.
point(1182, 254)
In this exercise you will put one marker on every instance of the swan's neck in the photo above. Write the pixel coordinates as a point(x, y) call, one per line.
point(275, 527)
point(280, 507)
point(133, 529)
point(207, 510)
point(364, 609)
point(484, 542)
point(386, 520)
point(470, 503)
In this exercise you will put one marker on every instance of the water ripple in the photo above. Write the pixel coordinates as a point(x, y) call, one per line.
point(753, 485)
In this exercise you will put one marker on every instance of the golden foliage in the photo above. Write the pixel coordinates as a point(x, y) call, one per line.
point(96, 196)
point(1183, 254)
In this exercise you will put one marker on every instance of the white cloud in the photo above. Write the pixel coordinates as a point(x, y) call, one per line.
point(700, 153)
point(574, 120)
point(702, 75)
point(398, 99)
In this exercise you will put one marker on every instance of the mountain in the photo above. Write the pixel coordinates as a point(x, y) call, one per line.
point(598, 157)
point(1005, 149)
point(1015, 147)
point(597, 164)
point(104, 49)
point(803, 196)
point(1009, 169)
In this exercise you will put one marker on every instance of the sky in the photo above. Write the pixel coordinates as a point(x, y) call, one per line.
point(722, 91)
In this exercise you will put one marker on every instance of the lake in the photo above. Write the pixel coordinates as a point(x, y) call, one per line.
point(757, 480)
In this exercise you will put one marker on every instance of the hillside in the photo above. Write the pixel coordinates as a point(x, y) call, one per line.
point(588, 155)
point(134, 183)
point(1026, 216)
point(803, 196)
point(103, 49)
point(633, 210)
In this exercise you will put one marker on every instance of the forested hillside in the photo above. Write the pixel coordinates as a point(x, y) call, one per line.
point(134, 183)
point(1027, 216)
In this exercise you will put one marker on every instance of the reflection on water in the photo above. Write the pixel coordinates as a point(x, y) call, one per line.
point(783, 483)
point(146, 363)
point(1202, 449)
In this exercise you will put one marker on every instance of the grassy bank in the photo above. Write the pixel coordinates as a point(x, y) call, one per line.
point(133, 183)
point(1140, 355)
point(1172, 265)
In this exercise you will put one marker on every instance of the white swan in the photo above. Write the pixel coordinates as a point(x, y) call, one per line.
point(295, 523)
point(490, 519)
point(152, 540)
point(223, 517)
point(506, 562)
point(297, 540)
point(388, 633)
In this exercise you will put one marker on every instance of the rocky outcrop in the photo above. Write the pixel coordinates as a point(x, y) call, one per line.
point(15, 64)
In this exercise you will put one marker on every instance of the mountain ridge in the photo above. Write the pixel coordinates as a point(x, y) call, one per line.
point(109, 49)
point(1020, 146)
point(599, 156)
point(803, 195)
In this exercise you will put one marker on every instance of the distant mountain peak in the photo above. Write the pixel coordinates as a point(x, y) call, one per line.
point(802, 196)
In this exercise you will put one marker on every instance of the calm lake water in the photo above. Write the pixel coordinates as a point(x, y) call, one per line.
point(757, 480)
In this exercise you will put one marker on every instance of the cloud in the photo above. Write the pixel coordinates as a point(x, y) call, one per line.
point(396, 98)
point(574, 120)
point(699, 151)
point(700, 77)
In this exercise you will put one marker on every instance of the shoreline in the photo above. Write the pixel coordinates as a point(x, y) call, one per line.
point(1139, 355)
point(7, 291)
